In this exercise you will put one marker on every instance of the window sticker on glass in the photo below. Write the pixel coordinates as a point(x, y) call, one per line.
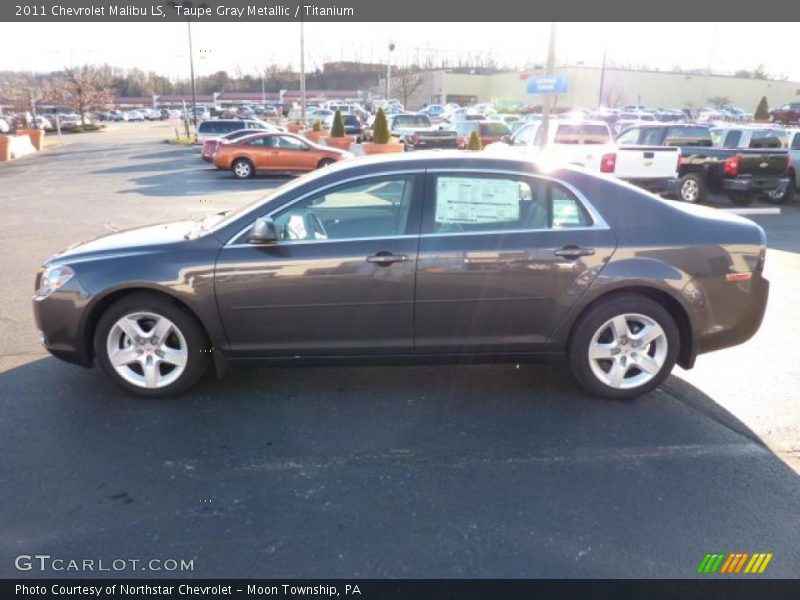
point(473, 200)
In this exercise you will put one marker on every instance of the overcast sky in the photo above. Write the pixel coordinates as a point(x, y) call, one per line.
point(162, 47)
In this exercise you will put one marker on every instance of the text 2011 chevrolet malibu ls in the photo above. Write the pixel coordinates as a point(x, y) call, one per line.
point(422, 258)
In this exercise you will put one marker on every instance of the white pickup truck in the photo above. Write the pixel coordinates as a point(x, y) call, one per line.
point(590, 144)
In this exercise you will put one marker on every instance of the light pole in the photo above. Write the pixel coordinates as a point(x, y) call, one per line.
point(188, 4)
point(389, 73)
point(302, 74)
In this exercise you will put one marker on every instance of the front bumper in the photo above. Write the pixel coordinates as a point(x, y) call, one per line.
point(60, 321)
point(755, 184)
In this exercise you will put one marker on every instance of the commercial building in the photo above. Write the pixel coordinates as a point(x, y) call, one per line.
point(620, 87)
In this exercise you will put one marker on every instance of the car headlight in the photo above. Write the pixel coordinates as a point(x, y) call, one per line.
point(54, 278)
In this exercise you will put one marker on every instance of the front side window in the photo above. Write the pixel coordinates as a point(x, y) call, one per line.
point(524, 137)
point(486, 203)
point(630, 137)
point(289, 143)
point(377, 207)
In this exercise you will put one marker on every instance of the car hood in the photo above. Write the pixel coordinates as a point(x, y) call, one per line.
point(140, 239)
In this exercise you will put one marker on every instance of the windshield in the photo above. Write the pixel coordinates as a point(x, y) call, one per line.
point(411, 121)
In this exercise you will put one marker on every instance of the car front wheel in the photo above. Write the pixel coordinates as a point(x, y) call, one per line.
point(624, 347)
point(151, 347)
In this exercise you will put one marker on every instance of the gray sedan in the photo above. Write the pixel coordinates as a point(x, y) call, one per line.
point(426, 257)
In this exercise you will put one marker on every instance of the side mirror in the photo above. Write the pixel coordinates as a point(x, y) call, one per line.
point(506, 139)
point(264, 231)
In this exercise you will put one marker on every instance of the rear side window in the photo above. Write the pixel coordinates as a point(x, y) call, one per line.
point(494, 129)
point(732, 139)
point(687, 136)
point(768, 138)
point(482, 203)
point(582, 133)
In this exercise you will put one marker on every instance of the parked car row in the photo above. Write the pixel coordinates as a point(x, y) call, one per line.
point(745, 162)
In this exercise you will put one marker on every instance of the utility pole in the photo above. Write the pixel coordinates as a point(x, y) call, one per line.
point(302, 74)
point(389, 73)
point(549, 68)
point(191, 72)
point(602, 79)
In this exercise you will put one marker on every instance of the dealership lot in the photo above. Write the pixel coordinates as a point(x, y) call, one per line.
point(480, 471)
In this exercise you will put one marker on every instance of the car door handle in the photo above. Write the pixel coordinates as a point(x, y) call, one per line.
point(384, 259)
point(573, 252)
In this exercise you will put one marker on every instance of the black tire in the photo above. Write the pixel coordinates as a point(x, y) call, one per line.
point(325, 162)
point(692, 188)
point(787, 196)
point(242, 168)
point(594, 320)
point(197, 345)
point(742, 198)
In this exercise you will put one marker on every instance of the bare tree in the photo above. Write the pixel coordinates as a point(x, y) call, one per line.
point(719, 101)
point(405, 85)
point(613, 95)
point(82, 89)
point(23, 91)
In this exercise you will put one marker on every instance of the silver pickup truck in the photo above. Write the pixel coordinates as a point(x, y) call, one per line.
point(794, 170)
point(417, 132)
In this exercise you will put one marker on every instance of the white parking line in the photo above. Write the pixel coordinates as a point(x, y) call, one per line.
point(767, 210)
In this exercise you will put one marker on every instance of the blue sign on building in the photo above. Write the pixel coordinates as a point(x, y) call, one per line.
point(548, 84)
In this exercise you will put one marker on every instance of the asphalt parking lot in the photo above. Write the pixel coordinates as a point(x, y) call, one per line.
point(473, 471)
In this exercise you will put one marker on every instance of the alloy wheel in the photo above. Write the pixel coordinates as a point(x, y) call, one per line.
point(627, 351)
point(242, 169)
point(690, 190)
point(147, 350)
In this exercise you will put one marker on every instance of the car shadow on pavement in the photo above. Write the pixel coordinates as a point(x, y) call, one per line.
point(452, 471)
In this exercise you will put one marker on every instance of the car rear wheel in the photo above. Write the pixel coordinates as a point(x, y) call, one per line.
point(242, 168)
point(782, 196)
point(624, 347)
point(692, 188)
point(151, 347)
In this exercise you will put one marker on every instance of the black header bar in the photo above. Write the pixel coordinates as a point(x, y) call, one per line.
point(394, 11)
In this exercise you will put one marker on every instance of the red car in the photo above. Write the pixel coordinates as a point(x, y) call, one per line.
point(788, 113)
point(210, 146)
point(488, 131)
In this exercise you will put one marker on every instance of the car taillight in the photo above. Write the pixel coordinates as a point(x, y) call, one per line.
point(731, 166)
point(608, 163)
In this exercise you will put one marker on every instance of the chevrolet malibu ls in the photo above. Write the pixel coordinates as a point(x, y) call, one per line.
point(426, 257)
